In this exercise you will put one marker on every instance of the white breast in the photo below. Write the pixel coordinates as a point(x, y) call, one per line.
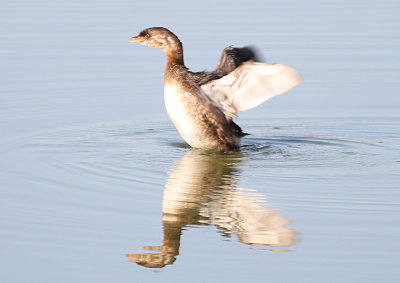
point(177, 103)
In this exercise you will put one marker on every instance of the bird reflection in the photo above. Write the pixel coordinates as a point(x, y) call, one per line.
point(202, 190)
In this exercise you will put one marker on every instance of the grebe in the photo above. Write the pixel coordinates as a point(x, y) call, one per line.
point(202, 104)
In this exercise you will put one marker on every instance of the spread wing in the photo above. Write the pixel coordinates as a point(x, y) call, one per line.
point(249, 85)
point(233, 57)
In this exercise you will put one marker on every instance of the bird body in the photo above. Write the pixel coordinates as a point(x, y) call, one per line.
point(198, 122)
point(184, 108)
point(202, 104)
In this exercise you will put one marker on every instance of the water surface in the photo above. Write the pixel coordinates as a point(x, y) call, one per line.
point(96, 184)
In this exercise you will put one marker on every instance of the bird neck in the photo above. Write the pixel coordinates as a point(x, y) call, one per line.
point(174, 57)
point(175, 64)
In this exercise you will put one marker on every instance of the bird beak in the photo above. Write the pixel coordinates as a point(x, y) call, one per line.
point(138, 39)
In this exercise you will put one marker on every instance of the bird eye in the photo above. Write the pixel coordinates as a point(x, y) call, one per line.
point(147, 35)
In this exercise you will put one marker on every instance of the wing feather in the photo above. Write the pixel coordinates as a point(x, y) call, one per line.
point(250, 85)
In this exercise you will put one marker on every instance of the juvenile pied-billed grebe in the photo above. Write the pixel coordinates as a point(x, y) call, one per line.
point(202, 104)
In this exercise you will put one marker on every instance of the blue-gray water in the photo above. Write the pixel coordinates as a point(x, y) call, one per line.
point(92, 170)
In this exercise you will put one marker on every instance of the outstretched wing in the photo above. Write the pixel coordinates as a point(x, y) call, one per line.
point(249, 85)
point(233, 57)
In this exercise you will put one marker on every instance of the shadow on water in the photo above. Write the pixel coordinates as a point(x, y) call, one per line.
point(202, 190)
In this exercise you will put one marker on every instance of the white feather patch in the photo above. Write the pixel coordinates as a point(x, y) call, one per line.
point(250, 85)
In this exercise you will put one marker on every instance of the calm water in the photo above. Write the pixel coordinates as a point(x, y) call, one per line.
point(97, 186)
